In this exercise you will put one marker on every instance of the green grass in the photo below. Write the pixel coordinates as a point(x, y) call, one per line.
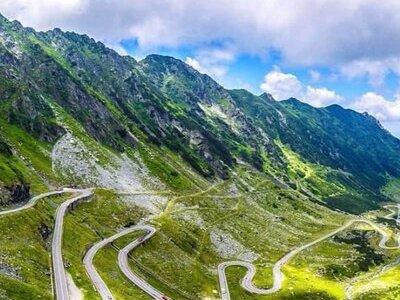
point(27, 252)
point(24, 250)
point(187, 264)
point(36, 162)
point(392, 189)
point(105, 262)
point(331, 264)
point(311, 176)
point(170, 169)
point(75, 128)
point(53, 53)
point(385, 286)
point(91, 222)
point(181, 260)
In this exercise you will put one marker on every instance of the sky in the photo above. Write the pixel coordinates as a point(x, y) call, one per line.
point(319, 51)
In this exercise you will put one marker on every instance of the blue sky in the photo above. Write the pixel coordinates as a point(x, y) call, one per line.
point(248, 71)
point(321, 52)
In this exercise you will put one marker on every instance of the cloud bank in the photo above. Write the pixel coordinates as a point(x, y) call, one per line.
point(306, 32)
point(285, 85)
point(386, 111)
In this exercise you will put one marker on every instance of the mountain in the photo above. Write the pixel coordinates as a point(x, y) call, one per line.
point(74, 112)
point(166, 102)
point(354, 144)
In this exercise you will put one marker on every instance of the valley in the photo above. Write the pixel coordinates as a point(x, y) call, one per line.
point(277, 277)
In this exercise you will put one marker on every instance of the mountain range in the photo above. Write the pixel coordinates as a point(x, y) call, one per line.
point(76, 113)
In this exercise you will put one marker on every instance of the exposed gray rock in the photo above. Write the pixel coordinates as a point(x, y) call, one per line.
point(72, 158)
point(227, 247)
point(9, 271)
point(14, 194)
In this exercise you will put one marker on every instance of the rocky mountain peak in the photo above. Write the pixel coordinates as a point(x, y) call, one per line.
point(267, 97)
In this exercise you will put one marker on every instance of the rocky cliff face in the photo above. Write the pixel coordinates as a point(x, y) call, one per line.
point(161, 101)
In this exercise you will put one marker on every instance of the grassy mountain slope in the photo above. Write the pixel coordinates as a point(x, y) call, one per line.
point(160, 100)
point(355, 151)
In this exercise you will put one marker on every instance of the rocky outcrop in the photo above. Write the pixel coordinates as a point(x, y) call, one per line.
point(44, 231)
point(14, 194)
point(19, 193)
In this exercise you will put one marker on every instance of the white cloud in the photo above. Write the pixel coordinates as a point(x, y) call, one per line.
point(359, 37)
point(194, 63)
point(307, 32)
point(386, 111)
point(320, 97)
point(283, 86)
point(214, 62)
point(315, 76)
point(375, 70)
point(43, 14)
point(376, 105)
point(118, 48)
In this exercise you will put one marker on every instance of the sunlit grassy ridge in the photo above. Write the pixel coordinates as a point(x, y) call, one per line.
point(383, 285)
point(392, 189)
point(311, 176)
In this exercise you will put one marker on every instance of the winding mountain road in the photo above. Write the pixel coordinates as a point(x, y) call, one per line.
point(95, 277)
point(124, 265)
point(247, 281)
point(60, 275)
point(98, 282)
point(60, 278)
point(394, 210)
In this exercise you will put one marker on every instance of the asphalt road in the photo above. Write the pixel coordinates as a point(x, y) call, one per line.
point(31, 202)
point(59, 273)
point(394, 211)
point(95, 277)
point(99, 283)
point(124, 265)
point(247, 282)
point(60, 278)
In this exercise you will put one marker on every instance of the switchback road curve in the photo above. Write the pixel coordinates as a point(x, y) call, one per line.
point(99, 283)
point(247, 281)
